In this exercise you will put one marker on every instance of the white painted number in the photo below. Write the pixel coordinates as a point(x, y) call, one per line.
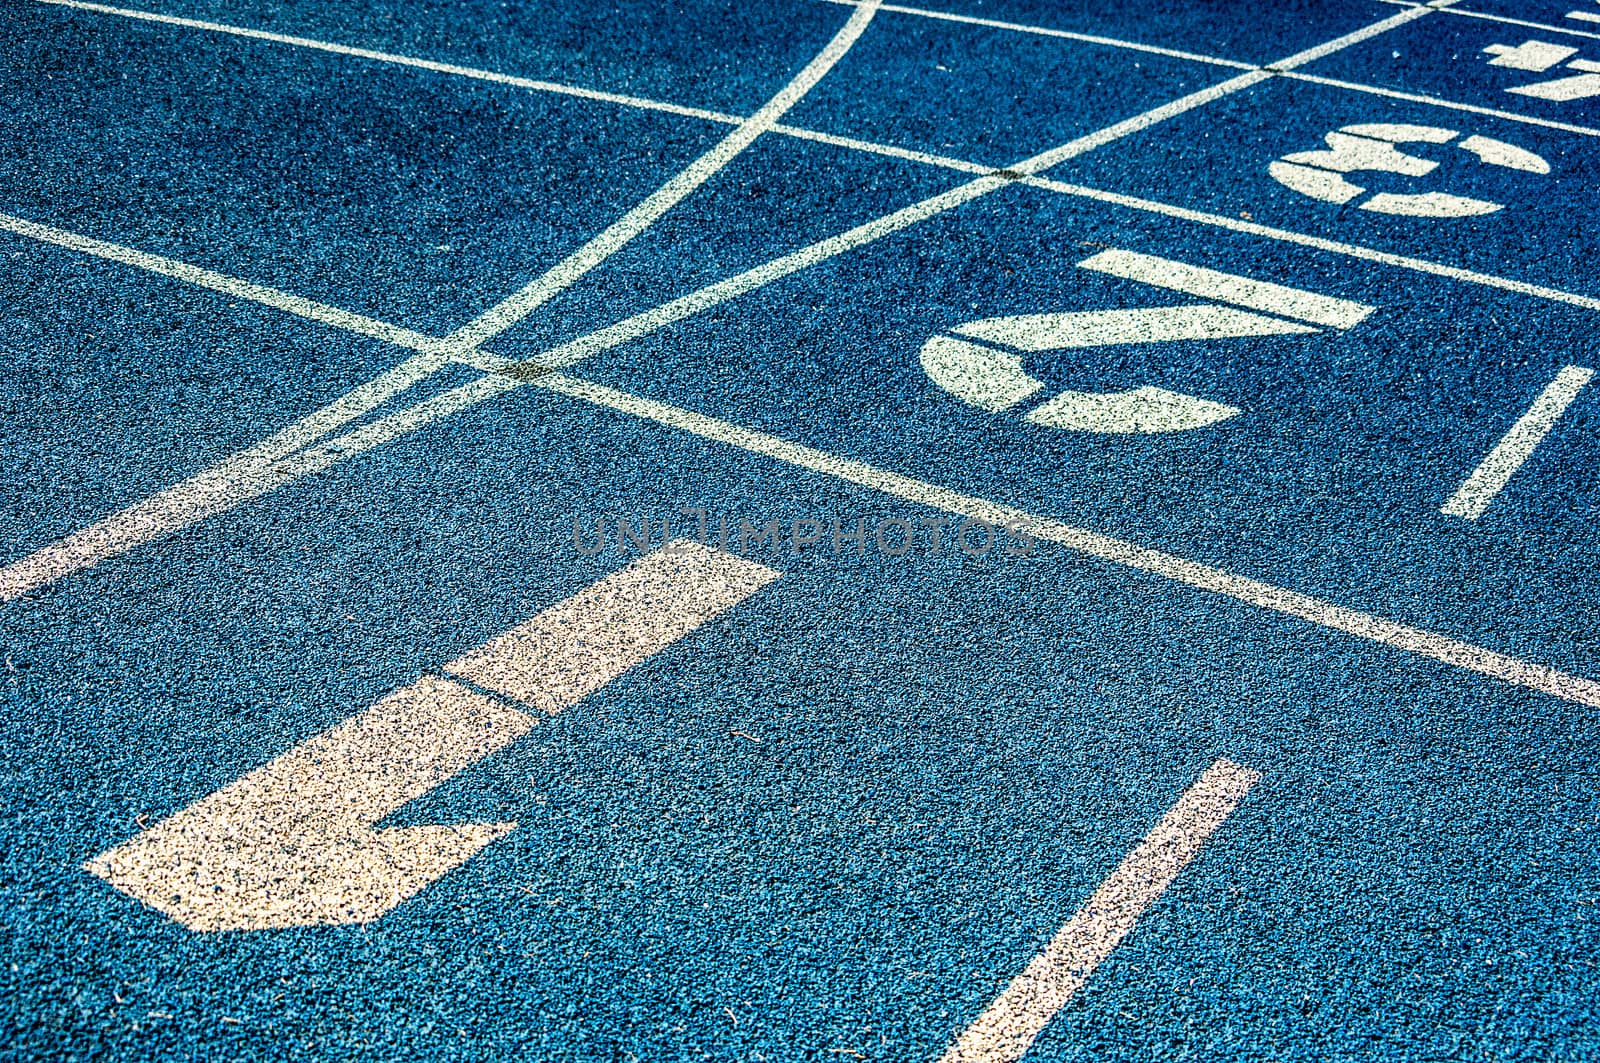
point(981, 364)
point(1357, 148)
point(1537, 57)
point(295, 842)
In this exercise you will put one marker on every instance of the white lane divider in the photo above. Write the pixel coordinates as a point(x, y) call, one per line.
point(296, 843)
point(982, 366)
point(1517, 445)
point(1009, 1026)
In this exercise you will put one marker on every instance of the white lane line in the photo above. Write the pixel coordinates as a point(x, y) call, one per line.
point(294, 843)
point(887, 150)
point(1222, 221)
point(1568, 30)
point(1435, 101)
point(1366, 33)
point(1458, 654)
point(1044, 31)
point(248, 474)
point(1502, 463)
point(403, 60)
point(509, 311)
point(219, 282)
point(1008, 1027)
point(1585, 16)
point(1225, 287)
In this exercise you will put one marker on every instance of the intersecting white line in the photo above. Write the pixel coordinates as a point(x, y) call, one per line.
point(1044, 31)
point(723, 118)
point(1502, 18)
point(506, 313)
point(215, 489)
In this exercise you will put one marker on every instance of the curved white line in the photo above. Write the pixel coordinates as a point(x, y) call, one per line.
point(509, 311)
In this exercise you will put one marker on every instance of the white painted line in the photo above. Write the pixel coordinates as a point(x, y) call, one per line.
point(1569, 31)
point(715, 294)
point(1139, 122)
point(1585, 16)
point(294, 843)
point(1043, 31)
point(1366, 33)
point(219, 282)
point(573, 649)
point(503, 315)
point(1225, 287)
point(1502, 463)
point(1008, 1027)
point(1434, 101)
point(1454, 652)
point(1368, 254)
point(248, 474)
point(403, 60)
point(887, 150)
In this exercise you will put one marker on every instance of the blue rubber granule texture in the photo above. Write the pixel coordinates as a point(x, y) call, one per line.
point(835, 821)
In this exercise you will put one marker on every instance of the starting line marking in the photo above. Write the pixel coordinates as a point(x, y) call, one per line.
point(1502, 463)
point(293, 843)
point(1008, 1027)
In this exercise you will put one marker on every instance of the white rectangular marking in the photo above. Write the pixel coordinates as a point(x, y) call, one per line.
point(295, 842)
point(1513, 450)
point(1008, 1027)
point(1225, 287)
point(573, 649)
point(1585, 16)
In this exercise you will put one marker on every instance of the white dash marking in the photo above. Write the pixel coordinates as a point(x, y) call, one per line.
point(296, 843)
point(1009, 1026)
point(1227, 288)
point(1514, 449)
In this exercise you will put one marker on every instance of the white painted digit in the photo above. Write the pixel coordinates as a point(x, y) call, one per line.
point(1372, 147)
point(981, 364)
